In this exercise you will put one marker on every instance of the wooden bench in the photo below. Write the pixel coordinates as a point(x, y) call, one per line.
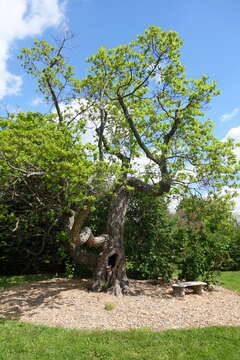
point(179, 288)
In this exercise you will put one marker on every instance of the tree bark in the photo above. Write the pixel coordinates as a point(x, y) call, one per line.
point(80, 236)
point(111, 266)
point(79, 255)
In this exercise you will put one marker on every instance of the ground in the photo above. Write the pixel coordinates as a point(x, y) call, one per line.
point(68, 303)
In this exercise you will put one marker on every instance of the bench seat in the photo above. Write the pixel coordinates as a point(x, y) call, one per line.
point(179, 288)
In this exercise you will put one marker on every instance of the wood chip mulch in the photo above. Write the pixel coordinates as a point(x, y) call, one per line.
point(68, 303)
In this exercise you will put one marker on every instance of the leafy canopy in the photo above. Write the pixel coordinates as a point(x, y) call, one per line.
point(144, 110)
point(147, 108)
point(35, 152)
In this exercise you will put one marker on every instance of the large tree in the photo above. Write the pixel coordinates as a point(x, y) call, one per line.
point(145, 110)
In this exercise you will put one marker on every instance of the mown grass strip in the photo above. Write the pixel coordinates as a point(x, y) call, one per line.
point(231, 280)
point(20, 341)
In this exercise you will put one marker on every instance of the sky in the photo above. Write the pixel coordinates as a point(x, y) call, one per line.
point(210, 30)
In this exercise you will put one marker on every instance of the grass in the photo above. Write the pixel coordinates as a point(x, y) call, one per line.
point(6, 281)
point(20, 341)
point(109, 306)
point(231, 280)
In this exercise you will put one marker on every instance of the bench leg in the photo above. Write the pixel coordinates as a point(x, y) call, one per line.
point(198, 289)
point(178, 291)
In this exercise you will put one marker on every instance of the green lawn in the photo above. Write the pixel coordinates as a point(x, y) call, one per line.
point(20, 341)
point(6, 281)
point(231, 280)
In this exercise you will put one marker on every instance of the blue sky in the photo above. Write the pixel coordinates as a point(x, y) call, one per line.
point(210, 30)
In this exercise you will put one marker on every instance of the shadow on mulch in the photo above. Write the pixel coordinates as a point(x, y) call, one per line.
point(21, 299)
point(16, 300)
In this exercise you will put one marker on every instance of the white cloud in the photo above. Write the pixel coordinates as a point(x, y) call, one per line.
point(37, 101)
point(77, 110)
point(20, 19)
point(232, 114)
point(236, 211)
point(139, 165)
point(234, 133)
point(173, 204)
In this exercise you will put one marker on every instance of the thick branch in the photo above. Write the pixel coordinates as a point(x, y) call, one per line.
point(86, 237)
point(76, 223)
point(173, 129)
point(81, 256)
point(52, 63)
point(125, 160)
point(100, 131)
point(135, 132)
point(164, 185)
point(153, 190)
point(55, 101)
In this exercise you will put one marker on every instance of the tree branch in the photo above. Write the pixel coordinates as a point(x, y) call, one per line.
point(144, 80)
point(152, 190)
point(164, 184)
point(55, 101)
point(135, 132)
point(125, 160)
point(173, 129)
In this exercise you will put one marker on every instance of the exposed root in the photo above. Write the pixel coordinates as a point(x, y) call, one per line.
point(115, 289)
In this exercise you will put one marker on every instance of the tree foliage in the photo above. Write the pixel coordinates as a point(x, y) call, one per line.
point(35, 152)
point(148, 108)
point(46, 173)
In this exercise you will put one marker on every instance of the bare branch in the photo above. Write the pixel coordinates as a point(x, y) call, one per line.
point(23, 171)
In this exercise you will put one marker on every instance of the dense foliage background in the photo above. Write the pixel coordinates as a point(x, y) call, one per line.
point(201, 237)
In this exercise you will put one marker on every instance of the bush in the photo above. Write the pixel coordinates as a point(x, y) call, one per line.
point(30, 241)
point(205, 233)
point(149, 238)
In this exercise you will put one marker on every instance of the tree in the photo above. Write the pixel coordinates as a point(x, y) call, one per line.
point(145, 108)
point(149, 109)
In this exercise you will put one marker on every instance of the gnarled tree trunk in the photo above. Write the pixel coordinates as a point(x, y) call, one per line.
point(78, 237)
point(109, 264)
point(111, 271)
